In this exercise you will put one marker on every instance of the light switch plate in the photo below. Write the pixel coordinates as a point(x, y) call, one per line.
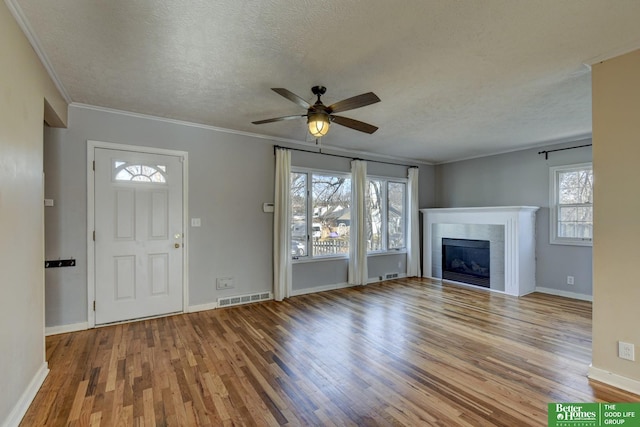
point(195, 222)
point(224, 283)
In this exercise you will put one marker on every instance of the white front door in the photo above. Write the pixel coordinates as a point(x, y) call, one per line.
point(138, 235)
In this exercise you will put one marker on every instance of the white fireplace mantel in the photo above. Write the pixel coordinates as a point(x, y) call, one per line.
point(519, 240)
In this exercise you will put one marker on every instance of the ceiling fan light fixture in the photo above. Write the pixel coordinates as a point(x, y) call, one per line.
point(318, 124)
point(319, 117)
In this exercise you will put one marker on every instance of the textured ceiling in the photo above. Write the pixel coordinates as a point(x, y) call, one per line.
point(457, 79)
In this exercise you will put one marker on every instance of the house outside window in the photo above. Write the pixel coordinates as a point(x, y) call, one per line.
point(571, 204)
point(320, 214)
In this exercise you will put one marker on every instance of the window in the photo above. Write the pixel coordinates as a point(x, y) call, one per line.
point(124, 171)
point(385, 215)
point(571, 204)
point(396, 198)
point(373, 215)
point(320, 214)
point(299, 214)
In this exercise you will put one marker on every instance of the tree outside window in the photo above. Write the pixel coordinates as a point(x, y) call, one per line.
point(321, 214)
point(331, 211)
point(572, 204)
point(385, 215)
point(396, 196)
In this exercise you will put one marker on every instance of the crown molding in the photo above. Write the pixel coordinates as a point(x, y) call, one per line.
point(574, 138)
point(23, 23)
point(306, 144)
point(332, 148)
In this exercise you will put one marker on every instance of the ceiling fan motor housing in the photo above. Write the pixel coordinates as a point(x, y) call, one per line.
point(319, 90)
point(318, 114)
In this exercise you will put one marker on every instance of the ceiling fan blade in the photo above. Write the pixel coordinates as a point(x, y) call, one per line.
point(279, 119)
point(354, 102)
point(291, 96)
point(354, 124)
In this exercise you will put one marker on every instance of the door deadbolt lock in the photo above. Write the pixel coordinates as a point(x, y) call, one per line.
point(177, 245)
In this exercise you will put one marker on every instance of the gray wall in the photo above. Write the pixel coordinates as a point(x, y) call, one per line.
point(230, 177)
point(521, 178)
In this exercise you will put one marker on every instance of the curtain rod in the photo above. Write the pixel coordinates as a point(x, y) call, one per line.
point(275, 147)
point(546, 152)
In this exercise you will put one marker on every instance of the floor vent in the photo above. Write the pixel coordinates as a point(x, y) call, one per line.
point(243, 299)
point(390, 276)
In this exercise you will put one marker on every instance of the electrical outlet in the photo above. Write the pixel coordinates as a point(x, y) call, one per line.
point(626, 351)
point(224, 283)
point(570, 280)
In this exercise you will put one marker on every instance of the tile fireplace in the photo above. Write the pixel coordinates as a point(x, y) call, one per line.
point(508, 235)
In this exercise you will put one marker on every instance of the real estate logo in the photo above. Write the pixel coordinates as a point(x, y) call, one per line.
point(575, 414)
point(594, 414)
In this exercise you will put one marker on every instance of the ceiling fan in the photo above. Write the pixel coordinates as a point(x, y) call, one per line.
point(320, 116)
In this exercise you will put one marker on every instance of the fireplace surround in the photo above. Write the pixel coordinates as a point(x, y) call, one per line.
point(510, 231)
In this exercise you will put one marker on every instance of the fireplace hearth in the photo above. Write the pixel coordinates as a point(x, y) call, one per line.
point(466, 261)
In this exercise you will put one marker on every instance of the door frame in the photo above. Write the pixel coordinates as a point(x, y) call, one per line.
point(91, 254)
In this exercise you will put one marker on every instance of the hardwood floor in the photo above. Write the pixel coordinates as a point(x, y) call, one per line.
point(404, 352)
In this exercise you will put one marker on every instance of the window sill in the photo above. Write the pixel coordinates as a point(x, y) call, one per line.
point(566, 242)
point(304, 260)
point(384, 253)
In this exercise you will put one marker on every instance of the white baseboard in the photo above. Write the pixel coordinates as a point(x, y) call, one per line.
point(567, 294)
point(203, 307)
point(21, 407)
point(63, 329)
point(296, 292)
point(614, 380)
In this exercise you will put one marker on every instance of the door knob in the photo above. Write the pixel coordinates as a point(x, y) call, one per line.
point(177, 245)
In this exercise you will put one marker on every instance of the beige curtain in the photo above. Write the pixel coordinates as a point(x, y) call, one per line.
point(413, 222)
point(282, 227)
point(358, 273)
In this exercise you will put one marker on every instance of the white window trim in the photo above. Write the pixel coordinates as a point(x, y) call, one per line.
point(385, 214)
point(310, 258)
point(553, 206)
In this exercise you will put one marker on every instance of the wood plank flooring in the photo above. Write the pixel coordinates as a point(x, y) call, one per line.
point(406, 352)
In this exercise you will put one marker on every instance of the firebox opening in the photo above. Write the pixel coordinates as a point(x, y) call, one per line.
point(466, 261)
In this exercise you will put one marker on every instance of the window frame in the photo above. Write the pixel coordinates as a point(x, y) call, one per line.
point(554, 205)
point(384, 213)
point(309, 257)
point(119, 166)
